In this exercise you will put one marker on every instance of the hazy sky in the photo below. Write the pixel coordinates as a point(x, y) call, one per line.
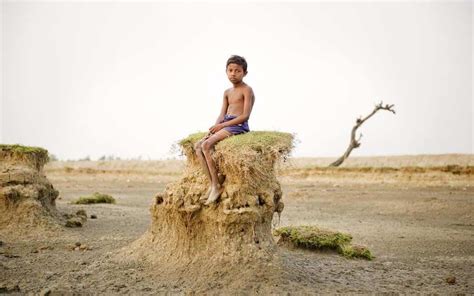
point(131, 79)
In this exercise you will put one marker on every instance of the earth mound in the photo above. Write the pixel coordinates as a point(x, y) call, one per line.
point(187, 237)
point(27, 198)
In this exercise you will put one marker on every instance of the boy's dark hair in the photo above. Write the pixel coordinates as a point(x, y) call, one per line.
point(235, 59)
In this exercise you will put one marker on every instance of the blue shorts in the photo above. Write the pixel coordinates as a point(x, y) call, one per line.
point(238, 128)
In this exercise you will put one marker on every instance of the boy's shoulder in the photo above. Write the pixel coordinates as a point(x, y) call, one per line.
point(247, 89)
point(241, 88)
point(246, 86)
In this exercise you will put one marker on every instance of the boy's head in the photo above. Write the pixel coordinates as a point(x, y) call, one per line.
point(235, 59)
point(236, 68)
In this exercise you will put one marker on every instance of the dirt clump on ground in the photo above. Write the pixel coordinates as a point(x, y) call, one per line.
point(27, 198)
point(187, 236)
point(95, 198)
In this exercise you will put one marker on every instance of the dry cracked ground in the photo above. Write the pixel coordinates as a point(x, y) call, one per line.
point(419, 224)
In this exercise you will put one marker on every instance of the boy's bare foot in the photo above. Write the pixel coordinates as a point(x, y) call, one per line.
point(214, 195)
point(206, 195)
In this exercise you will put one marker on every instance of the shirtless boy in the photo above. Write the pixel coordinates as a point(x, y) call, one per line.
point(235, 112)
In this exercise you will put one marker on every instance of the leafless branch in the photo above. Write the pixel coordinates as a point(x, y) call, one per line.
point(359, 121)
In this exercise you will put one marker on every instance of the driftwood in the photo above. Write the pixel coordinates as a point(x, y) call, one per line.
point(356, 143)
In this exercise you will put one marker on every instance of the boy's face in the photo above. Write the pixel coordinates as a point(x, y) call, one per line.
point(235, 73)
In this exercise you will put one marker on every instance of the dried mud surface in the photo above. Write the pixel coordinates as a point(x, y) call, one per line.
point(421, 231)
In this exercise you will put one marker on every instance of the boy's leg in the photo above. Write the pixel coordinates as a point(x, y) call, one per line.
point(207, 146)
point(203, 162)
point(201, 158)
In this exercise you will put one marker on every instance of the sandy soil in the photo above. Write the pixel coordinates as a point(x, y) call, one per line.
point(419, 225)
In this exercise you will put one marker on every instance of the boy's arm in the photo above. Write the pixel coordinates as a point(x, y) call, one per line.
point(225, 105)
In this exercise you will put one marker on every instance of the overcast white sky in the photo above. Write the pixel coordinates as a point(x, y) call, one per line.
point(131, 79)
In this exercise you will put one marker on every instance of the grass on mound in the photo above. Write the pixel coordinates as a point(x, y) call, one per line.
point(95, 199)
point(355, 251)
point(20, 149)
point(314, 238)
point(248, 157)
point(35, 155)
point(254, 140)
point(189, 141)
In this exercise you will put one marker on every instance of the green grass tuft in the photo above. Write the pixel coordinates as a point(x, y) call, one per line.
point(258, 140)
point(355, 251)
point(35, 156)
point(254, 140)
point(314, 238)
point(16, 148)
point(95, 199)
point(190, 140)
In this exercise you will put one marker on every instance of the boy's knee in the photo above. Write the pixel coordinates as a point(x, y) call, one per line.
point(206, 146)
point(197, 147)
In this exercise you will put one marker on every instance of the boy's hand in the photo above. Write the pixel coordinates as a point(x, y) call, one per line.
point(215, 128)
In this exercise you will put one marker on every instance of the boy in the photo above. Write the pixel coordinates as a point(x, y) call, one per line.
point(235, 112)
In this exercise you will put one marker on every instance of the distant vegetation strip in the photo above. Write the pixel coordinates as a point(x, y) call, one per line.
point(451, 169)
point(72, 170)
point(295, 171)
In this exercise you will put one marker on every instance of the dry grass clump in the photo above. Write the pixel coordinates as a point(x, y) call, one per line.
point(95, 199)
point(247, 156)
point(76, 220)
point(314, 238)
point(36, 156)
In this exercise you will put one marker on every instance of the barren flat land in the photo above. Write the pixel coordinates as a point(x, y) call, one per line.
point(415, 213)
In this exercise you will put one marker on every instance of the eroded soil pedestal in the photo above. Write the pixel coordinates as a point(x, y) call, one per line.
point(27, 198)
point(188, 237)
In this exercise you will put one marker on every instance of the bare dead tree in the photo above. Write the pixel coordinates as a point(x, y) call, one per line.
point(356, 143)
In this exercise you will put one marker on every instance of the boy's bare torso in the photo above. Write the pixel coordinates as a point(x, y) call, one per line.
point(235, 99)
